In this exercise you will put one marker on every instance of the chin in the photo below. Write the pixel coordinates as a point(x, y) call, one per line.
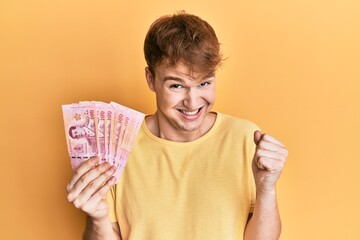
point(191, 126)
point(190, 129)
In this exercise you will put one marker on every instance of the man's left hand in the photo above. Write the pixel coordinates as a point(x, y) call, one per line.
point(268, 162)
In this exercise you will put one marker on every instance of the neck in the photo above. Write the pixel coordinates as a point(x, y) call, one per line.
point(178, 136)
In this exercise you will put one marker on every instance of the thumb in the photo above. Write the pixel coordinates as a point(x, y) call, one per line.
point(257, 137)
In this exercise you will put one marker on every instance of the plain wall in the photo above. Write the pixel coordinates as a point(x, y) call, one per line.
point(293, 67)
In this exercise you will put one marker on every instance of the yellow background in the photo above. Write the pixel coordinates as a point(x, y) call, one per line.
point(293, 67)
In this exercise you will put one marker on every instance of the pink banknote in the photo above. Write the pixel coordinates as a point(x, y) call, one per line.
point(109, 125)
point(80, 133)
point(100, 109)
point(119, 121)
point(100, 129)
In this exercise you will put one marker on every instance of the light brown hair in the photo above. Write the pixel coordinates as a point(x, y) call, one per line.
point(182, 38)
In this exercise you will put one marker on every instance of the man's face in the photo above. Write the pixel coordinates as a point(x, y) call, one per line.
point(78, 132)
point(183, 99)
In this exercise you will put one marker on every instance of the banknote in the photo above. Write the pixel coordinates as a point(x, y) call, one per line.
point(100, 109)
point(120, 117)
point(109, 125)
point(107, 130)
point(80, 133)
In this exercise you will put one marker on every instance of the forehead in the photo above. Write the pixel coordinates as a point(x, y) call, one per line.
point(181, 70)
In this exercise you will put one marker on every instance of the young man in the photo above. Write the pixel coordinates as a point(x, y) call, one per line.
point(193, 173)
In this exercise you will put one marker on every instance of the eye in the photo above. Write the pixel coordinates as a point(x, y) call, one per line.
point(203, 84)
point(176, 86)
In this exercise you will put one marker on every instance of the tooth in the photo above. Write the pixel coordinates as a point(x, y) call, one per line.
point(190, 113)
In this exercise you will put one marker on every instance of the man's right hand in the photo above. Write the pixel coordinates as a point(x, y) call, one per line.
point(89, 186)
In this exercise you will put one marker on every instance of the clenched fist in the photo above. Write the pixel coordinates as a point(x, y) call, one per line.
point(268, 163)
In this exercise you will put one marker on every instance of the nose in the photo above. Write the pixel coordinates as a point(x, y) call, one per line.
point(192, 99)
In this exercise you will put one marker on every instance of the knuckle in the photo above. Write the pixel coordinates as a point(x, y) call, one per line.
point(86, 208)
point(104, 177)
point(93, 160)
point(101, 168)
point(77, 203)
point(110, 171)
point(282, 158)
point(82, 180)
point(262, 144)
point(69, 198)
point(89, 162)
point(91, 186)
point(265, 136)
point(107, 173)
point(77, 171)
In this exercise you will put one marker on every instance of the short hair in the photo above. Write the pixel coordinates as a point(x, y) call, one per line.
point(184, 38)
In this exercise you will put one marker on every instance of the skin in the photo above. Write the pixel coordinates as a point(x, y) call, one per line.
point(87, 190)
point(184, 103)
point(268, 163)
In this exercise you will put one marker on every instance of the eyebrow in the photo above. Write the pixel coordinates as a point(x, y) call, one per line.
point(173, 78)
point(167, 78)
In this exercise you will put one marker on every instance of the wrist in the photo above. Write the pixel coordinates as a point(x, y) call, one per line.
point(266, 192)
point(99, 228)
point(95, 221)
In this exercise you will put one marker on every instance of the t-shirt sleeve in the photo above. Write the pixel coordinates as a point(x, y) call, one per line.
point(251, 152)
point(252, 181)
point(111, 199)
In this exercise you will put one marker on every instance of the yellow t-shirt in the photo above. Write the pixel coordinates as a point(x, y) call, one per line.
point(202, 189)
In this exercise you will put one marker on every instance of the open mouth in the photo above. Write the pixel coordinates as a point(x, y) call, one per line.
point(190, 113)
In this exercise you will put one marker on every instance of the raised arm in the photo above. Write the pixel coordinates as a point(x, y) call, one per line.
point(268, 163)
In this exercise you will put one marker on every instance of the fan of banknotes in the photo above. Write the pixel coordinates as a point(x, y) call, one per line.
point(106, 130)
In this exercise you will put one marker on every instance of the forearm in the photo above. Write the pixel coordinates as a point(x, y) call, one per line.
point(99, 230)
point(265, 224)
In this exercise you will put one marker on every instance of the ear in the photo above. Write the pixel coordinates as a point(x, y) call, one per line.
point(150, 79)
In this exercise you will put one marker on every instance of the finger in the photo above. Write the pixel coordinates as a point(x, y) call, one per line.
point(265, 145)
point(105, 188)
point(86, 179)
point(81, 170)
point(269, 138)
point(270, 164)
point(257, 136)
point(270, 154)
point(93, 187)
point(100, 195)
